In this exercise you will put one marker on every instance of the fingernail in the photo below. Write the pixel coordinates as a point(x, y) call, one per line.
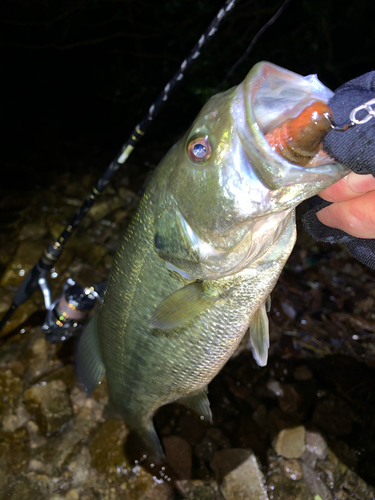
point(361, 183)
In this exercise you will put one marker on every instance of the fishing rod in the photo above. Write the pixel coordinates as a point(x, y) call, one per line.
point(74, 306)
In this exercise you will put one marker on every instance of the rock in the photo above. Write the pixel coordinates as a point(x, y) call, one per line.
point(225, 461)
point(279, 487)
point(80, 467)
point(275, 388)
point(356, 486)
point(61, 449)
point(198, 489)
point(316, 444)
point(27, 255)
point(334, 416)
point(39, 358)
point(242, 477)
point(179, 455)
point(290, 443)
point(317, 488)
point(245, 482)
point(11, 388)
point(292, 469)
point(212, 441)
point(16, 420)
point(32, 231)
point(289, 400)
point(81, 400)
point(64, 373)
point(24, 490)
point(14, 451)
point(49, 404)
point(22, 313)
point(302, 373)
point(328, 473)
point(107, 450)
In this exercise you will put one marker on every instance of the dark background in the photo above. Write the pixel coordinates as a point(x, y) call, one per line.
point(77, 75)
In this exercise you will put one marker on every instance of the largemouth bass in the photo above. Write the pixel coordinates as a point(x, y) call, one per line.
point(197, 264)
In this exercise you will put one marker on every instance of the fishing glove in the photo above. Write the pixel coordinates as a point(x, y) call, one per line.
point(355, 148)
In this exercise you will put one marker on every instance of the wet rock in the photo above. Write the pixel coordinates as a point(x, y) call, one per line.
point(292, 469)
point(104, 206)
point(212, 441)
point(64, 373)
point(49, 404)
point(27, 254)
point(16, 420)
point(356, 486)
point(279, 420)
point(59, 450)
point(316, 444)
point(302, 373)
point(279, 487)
point(290, 443)
point(80, 468)
point(14, 451)
point(39, 357)
point(225, 461)
point(179, 455)
point(22, 313)
point(328, 473)
point(24, 490)
point(198, 489)
point(11, 388)
point(80, 400)
point(289, 400)
point(32, 231)
point(107, 449)
point(275, 388)
point(314, 483)
point(334, 416)
point(242, 477)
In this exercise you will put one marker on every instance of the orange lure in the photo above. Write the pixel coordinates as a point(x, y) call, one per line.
point(299, 139)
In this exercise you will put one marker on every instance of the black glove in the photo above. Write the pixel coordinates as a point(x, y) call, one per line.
point(354, 148)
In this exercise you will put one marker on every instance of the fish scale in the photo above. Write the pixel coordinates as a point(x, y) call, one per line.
point(200, 258)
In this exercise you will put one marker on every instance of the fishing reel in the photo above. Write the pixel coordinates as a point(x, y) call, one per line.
point(66, 314)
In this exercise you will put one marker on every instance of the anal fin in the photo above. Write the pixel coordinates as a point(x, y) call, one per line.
point(90, 367)
point(259, 334)
point(183, 305)
point(199, 403)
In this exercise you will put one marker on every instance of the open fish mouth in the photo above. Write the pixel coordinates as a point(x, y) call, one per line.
point(271, 95)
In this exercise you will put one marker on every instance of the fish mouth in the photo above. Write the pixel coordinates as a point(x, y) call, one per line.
point(271, 95)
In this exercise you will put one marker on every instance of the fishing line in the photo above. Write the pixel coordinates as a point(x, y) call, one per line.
point(37, 277)
point(254, 41)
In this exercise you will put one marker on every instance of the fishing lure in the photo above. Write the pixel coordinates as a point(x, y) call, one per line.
point(299, 139)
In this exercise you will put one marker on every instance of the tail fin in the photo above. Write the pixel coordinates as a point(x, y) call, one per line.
point(90, 367)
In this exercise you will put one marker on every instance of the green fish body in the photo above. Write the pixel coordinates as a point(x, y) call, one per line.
point(198, 262)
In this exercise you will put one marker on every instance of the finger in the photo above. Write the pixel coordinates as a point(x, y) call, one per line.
point(349, 187)
point(355, 216)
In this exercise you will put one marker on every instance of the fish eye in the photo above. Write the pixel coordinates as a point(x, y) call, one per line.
point(199, 149)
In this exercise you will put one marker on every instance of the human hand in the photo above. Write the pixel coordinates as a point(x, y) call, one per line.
point(353, 207)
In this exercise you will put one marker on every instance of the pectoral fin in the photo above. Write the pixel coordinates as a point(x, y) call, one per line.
point(199, 403)
point(183, 305)
point(90, 367)
point(259, 335)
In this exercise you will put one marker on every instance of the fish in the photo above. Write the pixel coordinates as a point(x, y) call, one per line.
point(198, 262)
